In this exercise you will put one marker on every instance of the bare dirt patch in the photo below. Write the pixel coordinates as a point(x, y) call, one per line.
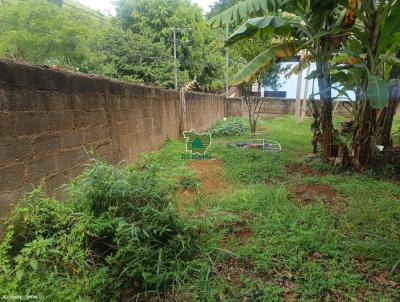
point(311, 193)
point(233, 268)
point(239, 229)
point(210, 172)
point(304, 170)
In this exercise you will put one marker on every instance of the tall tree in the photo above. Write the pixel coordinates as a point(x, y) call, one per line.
point(43, 32)
point(310, 25)
point(199, 54)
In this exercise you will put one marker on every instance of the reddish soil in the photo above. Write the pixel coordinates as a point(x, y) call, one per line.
point(233, 268)
point(310, 193)
point(239, 229)
point(242, 234)
point(304, 170)
point(210, 173)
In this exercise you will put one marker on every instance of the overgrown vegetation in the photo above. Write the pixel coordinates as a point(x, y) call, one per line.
point(230, 127)
point(352, 51)
point(119, 235)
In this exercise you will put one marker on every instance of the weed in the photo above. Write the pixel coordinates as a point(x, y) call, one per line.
point(230, 127)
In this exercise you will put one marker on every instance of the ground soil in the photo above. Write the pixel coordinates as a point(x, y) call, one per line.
point(210, 172)
point(233, 268)
point(239, 229)
point(313, 192)
point(304, 170)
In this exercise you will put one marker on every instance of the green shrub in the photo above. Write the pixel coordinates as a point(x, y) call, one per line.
point(230, 127)
point(116, 236)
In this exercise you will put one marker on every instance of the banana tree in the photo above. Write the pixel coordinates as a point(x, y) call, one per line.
point(372, 49)
point(313, 25)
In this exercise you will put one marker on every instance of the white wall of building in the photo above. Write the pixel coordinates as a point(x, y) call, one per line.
point(290, 85)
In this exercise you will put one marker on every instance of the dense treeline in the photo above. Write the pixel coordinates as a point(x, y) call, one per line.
point(135, 45)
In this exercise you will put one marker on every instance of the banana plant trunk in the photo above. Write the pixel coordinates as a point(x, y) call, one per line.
point(364, 142)
point(324, 85)
point(365, 137)
point(386, 117)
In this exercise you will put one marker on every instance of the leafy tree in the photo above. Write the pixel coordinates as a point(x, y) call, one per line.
point(43, 32)
point(198, 50)
point(137, 45)
point(131, 56)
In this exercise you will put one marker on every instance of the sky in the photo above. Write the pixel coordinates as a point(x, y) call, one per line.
point(106, 6)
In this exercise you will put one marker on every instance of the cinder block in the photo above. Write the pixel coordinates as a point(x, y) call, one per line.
point(18, 100)
point(7, 125)
point(97, 117)
point(81, 119)
point(96, 101)
point(50, 100)
point(72, 102)
point(60, 120)
point(71, 138)
point(70, 158)
point(104, 152)
point(89, 118)
point(40, 168)
point(14, 150)
point(28, 123)
point(12, 177)
point(53, 183)
point(54, 80)
point(47, 144)
point(94, 134)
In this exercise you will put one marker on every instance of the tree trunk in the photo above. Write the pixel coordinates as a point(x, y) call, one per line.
point(365, 137)
point(385, 119)
point(324, 84)
point(364, 142)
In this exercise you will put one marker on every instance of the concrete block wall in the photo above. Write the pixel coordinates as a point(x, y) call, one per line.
point(202, 110)
point(235, 107)
point(272, 107)
point(50, 119)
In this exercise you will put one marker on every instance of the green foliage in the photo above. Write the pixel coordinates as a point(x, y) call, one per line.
point(133, 57)
point(42, 32)
point(136, 45)
point(252, 166)
point(256, 239)
point(117, 236)
point(230, 127)
point(199, 53)
point(378, 93)
point(262, 25)
point(243, 9)
point(264, 60)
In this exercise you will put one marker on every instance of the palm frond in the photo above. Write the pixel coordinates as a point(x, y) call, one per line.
point(260, 24)
point(243, 10)
point(264, 60)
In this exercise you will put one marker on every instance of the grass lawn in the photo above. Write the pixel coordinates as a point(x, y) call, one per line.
point(243, 225)
point(283, 226)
